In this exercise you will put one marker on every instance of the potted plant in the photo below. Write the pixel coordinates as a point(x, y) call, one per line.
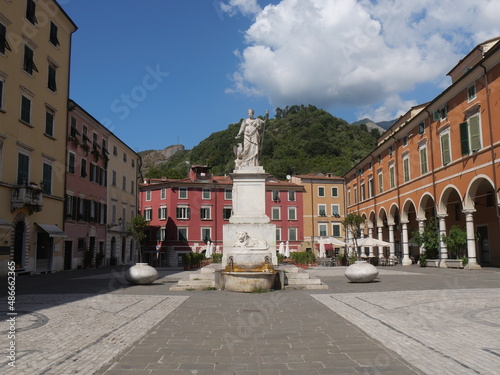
point(140, 273)
point(359, 271)
point(429, 239)
point(456, 242)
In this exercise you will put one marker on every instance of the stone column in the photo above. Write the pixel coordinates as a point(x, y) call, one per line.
point(380, 248)
point(471, 241)
point(442, 246)
point(370, 234)
point(406, 250)
point(392, 247)
point(421, 228)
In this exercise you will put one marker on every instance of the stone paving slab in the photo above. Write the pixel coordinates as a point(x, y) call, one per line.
point(78, 334)
point(437, 331)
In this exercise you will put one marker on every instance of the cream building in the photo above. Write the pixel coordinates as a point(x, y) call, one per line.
point(122, 202)
point(35, 45)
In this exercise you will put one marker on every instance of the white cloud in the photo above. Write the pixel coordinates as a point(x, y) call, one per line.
point(245, 7)
point(334, 53)
point(392, 107)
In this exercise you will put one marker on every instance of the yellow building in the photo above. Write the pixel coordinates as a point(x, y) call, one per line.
point(35, 45)
point(324, 208)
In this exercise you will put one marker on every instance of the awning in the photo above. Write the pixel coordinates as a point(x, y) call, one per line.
point(52, 230)
point(4, 224)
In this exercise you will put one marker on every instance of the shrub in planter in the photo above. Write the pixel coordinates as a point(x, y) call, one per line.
point(186, 260)
point(216, 258)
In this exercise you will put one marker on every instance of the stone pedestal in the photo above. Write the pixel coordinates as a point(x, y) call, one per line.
point(249, 217)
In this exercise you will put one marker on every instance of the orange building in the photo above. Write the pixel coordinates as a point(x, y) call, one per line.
point(439, 160)
point(324, 208)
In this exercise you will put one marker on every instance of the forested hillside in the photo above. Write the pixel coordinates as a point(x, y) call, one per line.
point(300, 140)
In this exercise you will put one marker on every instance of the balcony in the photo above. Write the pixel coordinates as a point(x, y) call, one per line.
point(27, 195)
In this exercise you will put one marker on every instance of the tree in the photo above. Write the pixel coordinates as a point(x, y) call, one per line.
point(352, 223)
point(137, 229)
point(456, 241)
point(429, 239)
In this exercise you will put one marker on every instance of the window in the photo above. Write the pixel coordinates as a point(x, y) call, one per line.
point(124, 183)
point(73, 130)
point(85, 136)
point(348, 197)
point(49, 123)
point(405, 140)
point(391, 150)
point(380, 178)
point(392, 176)
point(183, 213)
point(113, 179)
point(322, 230)
point(162, 234)
point(292, 213)
point(162, 213)
point(335, 210)
point(182, 234)
point(132, 188)
point(115, 150)
point(379, 158)
point(148, 195)
point(355, 193)
point(423, 160)
point(371, 187)
point(51, 79)
point(321, 191)
point(278, 234)
point(321, 210)
point(336, 230)
point(275, 195)
point(445, 148)
point(291, 195)
point(148, 214)
point(335, 192)
point(53, 34)
point(276, 213)
point(440, 114)
point(25, 109)
point(83, 168)
point(362, 196)
point(47, 178)
point(228, 194)
point(205, 213)
point(28, 63)
point(113, 214)
point(421, 128)
point(183, 193)
point(124, 157)
point(292, 234)
point(470, 135)
point(23, 169)
point(163, 193)
point(71, 163)
point(406, 167)
point(226, 213)
point(206, 234)
point(95, 141)
point(30, 11)
point(471, 93)
point(3, 39)
point(205, 194)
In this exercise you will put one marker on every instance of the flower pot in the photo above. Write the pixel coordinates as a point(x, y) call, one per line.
point(141, 273)
point(361, 272)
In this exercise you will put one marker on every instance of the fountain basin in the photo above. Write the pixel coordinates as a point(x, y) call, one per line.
point(248, 281)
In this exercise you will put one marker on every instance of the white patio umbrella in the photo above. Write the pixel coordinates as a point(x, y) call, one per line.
point(321, 249)
point(287, 250)
point(370, 241)
point(208, 251)
point(281, 249)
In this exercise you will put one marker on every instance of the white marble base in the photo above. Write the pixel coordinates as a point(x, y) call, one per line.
point(361, 272)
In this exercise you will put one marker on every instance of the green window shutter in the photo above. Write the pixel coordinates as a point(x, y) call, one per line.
point(475, 138)
point(423, 161)
point(464, 138)
point(445, 148)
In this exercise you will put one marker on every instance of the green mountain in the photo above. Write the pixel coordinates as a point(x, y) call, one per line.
point(299, 140)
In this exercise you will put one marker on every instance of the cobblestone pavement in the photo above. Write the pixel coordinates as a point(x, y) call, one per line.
point(440, 332)
point(78, 334)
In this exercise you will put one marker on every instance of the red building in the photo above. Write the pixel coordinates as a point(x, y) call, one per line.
point(185, 214)
point(86, 181)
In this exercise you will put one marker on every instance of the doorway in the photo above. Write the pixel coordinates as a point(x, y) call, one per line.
point(19, 244)
point(44, 244)
point(68, 255)
point(484, 243)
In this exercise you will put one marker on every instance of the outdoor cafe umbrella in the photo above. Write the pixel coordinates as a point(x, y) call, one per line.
point(208, 252)
point(281, 249)
point(287, 250)
point(370, 241)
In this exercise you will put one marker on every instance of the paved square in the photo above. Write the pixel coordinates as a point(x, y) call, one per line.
point(58, 334)
point(438, 331)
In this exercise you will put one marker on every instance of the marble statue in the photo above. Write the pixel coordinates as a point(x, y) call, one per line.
point(247, 154)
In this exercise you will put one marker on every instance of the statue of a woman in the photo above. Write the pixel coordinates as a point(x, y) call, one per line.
point(248, 153)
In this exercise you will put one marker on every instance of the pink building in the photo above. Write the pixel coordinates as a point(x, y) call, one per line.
point(185, 214)
point(86, 181)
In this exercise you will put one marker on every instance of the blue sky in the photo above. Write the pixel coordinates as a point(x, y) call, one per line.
point(162, 72)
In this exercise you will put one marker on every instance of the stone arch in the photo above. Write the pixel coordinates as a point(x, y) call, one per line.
point(382, 213)
point(394, 214)
point(448, 192)
point(407, 205)
point(478, 186)
point(371, 222)
point(426, 201)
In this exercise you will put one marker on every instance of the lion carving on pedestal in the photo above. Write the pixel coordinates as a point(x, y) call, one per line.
point(244, 240)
